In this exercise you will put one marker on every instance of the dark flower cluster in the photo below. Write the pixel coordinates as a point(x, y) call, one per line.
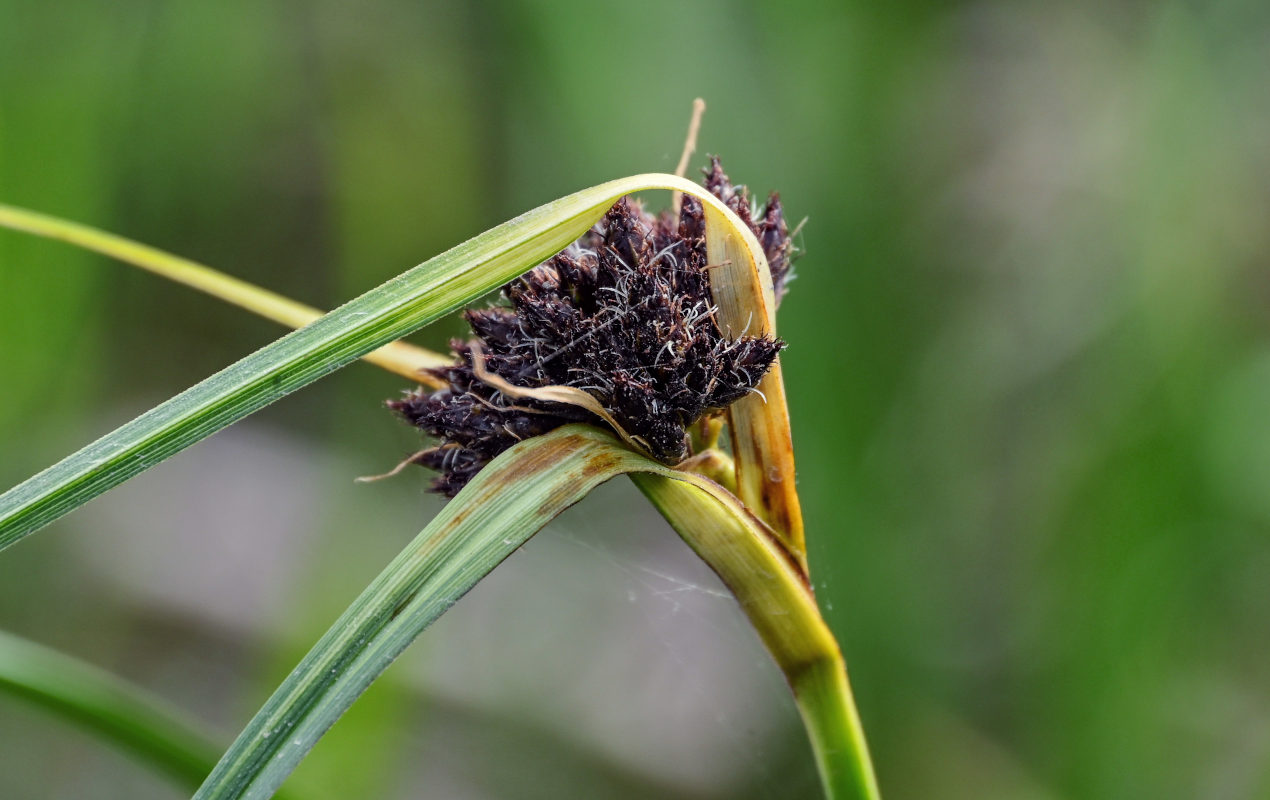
point(624, 314)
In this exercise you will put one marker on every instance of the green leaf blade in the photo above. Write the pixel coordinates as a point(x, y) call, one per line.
point(382, 315)
point(378, 317)
point(507, 502)
point(109, 707)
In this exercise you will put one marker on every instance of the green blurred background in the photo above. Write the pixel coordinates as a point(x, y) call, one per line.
point(1029, 367)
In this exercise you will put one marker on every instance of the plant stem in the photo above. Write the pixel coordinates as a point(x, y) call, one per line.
point(824, 699)
point(773, 592)
point(398, 357)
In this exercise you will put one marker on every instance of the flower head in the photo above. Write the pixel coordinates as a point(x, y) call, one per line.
point(624, 314)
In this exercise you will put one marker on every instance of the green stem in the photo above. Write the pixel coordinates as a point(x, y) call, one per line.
point(829, 713)
point(772, 591)
point(400, 357)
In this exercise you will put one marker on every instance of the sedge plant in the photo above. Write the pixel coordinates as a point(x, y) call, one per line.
point(682, 309)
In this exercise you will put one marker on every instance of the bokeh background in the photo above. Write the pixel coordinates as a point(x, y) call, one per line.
point(1029, 369)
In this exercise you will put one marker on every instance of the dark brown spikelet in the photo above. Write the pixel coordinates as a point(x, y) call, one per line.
point(624, 314)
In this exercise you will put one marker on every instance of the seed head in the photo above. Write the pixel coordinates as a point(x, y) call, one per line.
point(624, 314)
